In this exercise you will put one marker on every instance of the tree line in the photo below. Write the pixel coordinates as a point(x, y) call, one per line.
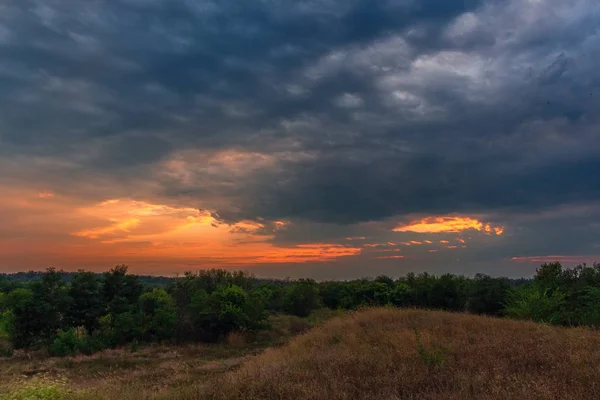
point(89, 312)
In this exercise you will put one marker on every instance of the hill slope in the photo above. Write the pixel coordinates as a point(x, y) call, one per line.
point(412, 354)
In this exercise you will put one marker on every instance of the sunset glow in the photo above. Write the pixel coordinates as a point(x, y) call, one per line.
point(562, 259)
point(187, 233)
point(449, 224)
point(176, 135)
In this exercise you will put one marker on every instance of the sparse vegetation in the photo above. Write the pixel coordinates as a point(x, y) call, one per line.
point(371, 354)
point(106, 325)
point(153, 370)
point(433, 358)
point(37, 389)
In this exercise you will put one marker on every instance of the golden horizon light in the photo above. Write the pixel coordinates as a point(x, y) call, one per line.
point(449, 224)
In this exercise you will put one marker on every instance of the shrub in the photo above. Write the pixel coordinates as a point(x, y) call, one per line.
point(6, 347)
point(73, 341)
point(134, 346)
point(7, 325)
point(536, 303)
point(584, 307)
point(119, 329)
point(433, 358)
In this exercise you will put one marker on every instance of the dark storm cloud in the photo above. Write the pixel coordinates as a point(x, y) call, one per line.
point(360, 110)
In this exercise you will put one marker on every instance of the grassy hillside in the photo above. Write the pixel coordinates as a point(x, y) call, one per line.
point(410, 354)
point(149, 371)
point(380, 353)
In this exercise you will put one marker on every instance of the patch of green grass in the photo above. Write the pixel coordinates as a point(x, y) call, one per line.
point(433, 358)
point(37, 389)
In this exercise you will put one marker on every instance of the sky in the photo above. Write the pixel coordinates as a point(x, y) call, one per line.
point(331, 139)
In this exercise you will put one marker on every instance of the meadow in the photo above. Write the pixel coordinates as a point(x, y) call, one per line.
point(226, 335)
point(378, 353)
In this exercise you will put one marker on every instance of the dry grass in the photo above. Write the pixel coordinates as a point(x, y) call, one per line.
point(374, 354)
point(236, 339)
point(371, 354)
point(152, 372)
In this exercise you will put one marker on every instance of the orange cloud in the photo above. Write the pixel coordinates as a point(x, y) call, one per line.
point(247, 226)
point(449, 224)
point(45, 195)
point(390, 257)
point(279, 225)
point(380, 245)
point(135, 229)
point(562, 259)
point(125, 219)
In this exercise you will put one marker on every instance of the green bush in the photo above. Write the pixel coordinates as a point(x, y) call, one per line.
point(7, 326)
point(6, 347)
point(433, 358)
point(536, 303)
point(74, 341)
point(583, 307)
point(119, 329)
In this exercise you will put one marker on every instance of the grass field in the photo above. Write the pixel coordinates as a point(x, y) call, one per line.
point(148, 372)
point(370, 354)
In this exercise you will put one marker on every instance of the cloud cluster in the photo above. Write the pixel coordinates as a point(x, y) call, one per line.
point(346, 118)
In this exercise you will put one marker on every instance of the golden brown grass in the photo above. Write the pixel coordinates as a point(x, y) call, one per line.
point(370, 354)
point(373, 354)
point(235, 339)
point(152, 372)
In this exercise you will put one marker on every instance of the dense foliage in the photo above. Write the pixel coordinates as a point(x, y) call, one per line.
point(88, 312)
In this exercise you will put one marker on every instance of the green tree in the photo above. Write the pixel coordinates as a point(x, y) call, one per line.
point(119, 329)
point(583, 307)
point(121, 290)
point(550, 275)
point(271, 296)
point(88, 303)
point(158, 315)
point(400, 295)
point(51, 302)
point(333, 293)
point(302, 298)
point(227, 308)
point(40, 311)
point(487, 295)
point(389, 282)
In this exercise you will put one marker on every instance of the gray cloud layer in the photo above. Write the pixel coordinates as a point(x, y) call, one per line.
point(344, 111)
